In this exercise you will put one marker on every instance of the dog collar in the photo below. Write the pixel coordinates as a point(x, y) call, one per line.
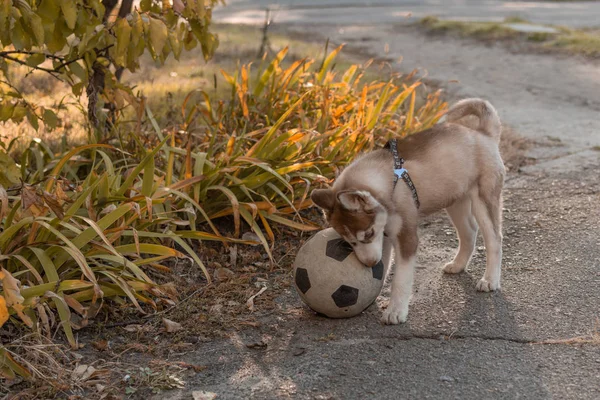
point(400, 171)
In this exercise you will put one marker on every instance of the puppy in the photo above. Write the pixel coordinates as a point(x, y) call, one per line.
point(452, 167)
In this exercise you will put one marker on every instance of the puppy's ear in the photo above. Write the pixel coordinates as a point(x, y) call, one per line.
point(357, 200)
point(323, 198)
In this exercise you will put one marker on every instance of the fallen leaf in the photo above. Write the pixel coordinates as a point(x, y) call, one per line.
point(12, 295)
point(233, 253)
point(196, 368)
point(100, 345)
point(223, 274)
point(60, 193)
point(133, 328)
point(77, 322)
point(202, 395)
point(171, 326)
point(260, 344)
point(140, 348)
point(83, 372)
point(260, 264)
point(250, 301)
point(54, 204)
point(251, 237)
point(170, 290)
point(298, 351)
point(3, 311)
point(29, 197)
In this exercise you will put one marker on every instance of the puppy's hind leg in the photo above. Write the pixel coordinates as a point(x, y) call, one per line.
point(487, 208)
point(466, 228)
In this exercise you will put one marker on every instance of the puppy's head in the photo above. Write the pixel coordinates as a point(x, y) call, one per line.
point(358, 218)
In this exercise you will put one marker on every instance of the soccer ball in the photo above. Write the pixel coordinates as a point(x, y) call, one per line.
point(330, 279)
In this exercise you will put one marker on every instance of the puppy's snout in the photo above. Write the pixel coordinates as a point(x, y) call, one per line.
point(368, 254)
point(371, 263)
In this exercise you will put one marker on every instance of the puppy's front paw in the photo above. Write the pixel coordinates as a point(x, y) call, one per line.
point(394, 315)
point(485, 285)
point(454, 268)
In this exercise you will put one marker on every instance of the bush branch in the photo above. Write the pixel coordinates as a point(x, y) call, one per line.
point(8, 56)
point(30, 53)
point(18, 61)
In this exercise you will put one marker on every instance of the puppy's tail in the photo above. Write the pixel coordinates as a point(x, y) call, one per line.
point(489, 123)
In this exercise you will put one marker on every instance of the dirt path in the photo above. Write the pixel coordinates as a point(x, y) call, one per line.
point(459, 343)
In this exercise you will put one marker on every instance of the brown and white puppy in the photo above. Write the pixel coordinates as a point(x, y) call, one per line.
point(453, 167)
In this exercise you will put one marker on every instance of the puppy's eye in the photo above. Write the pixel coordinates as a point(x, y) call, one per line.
point(369, 235)
point(353, 244)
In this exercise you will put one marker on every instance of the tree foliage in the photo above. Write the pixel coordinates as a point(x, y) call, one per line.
point(88, 43)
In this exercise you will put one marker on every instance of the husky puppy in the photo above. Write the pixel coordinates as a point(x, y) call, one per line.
point(452, 167)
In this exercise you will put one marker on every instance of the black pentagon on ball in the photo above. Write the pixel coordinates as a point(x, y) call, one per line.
point(338, 249)
point(302, 281)
point(378, 270)
point(345, 296)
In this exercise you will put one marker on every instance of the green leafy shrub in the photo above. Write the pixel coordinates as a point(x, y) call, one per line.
point(77, 41)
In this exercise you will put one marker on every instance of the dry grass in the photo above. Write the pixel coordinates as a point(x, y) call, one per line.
point(592, 338)
point(479, 30)
point(513, 148)
point(61, 373)
point(49, 363)
point(584, 42)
